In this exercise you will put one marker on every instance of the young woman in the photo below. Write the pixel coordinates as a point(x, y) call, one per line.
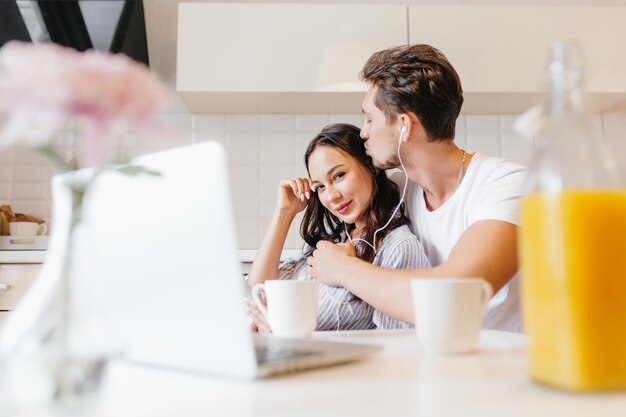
point(346, 200)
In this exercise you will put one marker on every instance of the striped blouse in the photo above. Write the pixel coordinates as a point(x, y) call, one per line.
point(338, 308)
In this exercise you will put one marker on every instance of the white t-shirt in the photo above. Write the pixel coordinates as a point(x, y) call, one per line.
point(491, 190)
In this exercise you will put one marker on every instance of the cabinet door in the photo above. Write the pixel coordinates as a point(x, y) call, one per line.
point(281, 48)
point(18, 277)
point(501, 52)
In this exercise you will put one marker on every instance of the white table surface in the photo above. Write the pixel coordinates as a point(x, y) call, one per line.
point(399, 381)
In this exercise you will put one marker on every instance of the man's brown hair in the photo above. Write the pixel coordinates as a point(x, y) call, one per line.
point(417, 79)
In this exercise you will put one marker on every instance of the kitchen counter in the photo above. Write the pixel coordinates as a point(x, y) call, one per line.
point(398, 381)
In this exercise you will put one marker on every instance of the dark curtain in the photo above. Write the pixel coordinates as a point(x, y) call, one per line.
point(130, 33)
point(65, 24)
point(12, 24)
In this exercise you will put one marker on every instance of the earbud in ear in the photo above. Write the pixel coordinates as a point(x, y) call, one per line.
point(402, 131)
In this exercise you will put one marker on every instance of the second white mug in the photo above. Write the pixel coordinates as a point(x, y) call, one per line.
point(291, 306)
point(448, 312)
point(27, 229)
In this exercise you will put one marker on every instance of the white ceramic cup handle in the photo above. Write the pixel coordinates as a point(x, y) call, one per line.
point(487, 291)
point(42, 229)
point(256, 291)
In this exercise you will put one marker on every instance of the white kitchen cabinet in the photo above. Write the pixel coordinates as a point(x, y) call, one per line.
point(246, 257)
point(21, 259)
point(501, 51)
point(305, 58)
point(280, 57)
point(18, 277)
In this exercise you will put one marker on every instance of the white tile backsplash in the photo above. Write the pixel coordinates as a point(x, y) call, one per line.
point(520, 154)
point(6, 173)
point(614, 126)
point(353, 119)
point(294, 240)
point(178, 122)
point(244, 140)
point(272, 174)
point(5, 191)
point(262, 149)
point(486, 142)
point(277, 156)
point(303, 137)
point(277, 139)
point(207, 124)
point(246, 157)
point(246, 210)
point(36, 207)
point(312, 122)
point(597, 129)
point(614, 129)
point(6, 156)
point(237, 122)
point(284, 122)
point(483, 134)
point(29, 173)
point(26, 157)
point(220, 136)
point(28, 191)
point(514, 146)
point(482, 122)
point(245, 192)
point(460, 132)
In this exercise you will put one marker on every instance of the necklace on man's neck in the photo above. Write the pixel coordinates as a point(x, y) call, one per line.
point(460, 176)
point(429, 206)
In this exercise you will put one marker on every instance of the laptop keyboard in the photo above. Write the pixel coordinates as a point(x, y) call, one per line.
point(266, 354)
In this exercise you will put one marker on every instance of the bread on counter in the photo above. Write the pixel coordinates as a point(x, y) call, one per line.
point(7, 216)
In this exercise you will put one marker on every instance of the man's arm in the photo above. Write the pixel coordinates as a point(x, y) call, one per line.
point(487, 249)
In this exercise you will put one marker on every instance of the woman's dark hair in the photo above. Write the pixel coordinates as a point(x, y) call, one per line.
point(320, 224)
point(418, 79)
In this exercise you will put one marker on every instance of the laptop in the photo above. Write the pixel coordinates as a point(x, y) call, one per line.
point(160, 261)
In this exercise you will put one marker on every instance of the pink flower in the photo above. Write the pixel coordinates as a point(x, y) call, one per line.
point(44, 85)
point(113, 86)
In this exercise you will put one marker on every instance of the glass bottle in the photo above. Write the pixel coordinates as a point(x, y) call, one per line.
point(573, 245)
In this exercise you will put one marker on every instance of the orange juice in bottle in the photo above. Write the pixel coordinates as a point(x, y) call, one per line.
point(573, 248)
point(573, 251)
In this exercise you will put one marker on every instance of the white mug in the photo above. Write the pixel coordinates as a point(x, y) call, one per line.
point(291, 306)
point(448, 312)
point(27, 229)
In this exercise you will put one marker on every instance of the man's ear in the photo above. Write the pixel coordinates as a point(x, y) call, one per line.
point(411, 125)
point(406, 126)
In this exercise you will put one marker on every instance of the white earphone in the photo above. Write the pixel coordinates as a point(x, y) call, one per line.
point(406, 182)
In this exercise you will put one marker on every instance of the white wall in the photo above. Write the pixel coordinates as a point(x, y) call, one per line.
point(263, 149)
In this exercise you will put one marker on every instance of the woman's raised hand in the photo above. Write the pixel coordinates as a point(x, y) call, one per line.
point(293, 195)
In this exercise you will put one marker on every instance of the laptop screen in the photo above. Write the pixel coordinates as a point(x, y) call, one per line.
point(159, 263)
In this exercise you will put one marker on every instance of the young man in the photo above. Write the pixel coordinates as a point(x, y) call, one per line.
point(463, 207)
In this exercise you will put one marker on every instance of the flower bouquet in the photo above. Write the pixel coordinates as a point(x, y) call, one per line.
point(43, 89)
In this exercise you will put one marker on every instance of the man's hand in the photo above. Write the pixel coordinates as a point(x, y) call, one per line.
point(327, 262)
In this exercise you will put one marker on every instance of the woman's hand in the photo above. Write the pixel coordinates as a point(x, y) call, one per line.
point(293, 195)
point(258, 320)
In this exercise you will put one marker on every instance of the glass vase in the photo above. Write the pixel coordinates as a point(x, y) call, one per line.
point(51, 348)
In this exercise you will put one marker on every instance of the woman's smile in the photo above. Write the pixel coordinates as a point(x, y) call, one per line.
point(344, 208)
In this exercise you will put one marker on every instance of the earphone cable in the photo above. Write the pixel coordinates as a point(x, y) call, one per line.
point(406, 183)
